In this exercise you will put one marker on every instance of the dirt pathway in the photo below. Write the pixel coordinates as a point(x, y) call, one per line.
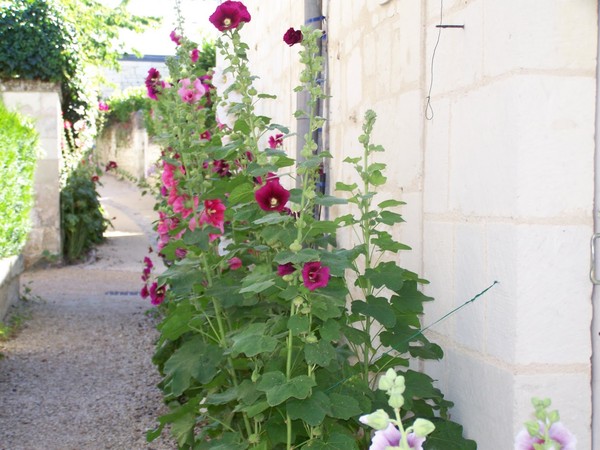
point(79, 376)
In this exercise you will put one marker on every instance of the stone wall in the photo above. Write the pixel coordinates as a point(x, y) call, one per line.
point(499, 184)
point(41, 102)
point(129, 146)
point(10, 271)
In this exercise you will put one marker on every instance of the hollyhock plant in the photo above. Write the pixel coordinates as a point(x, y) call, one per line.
point(315, 275)
point(229, 15)
point(292, 37)
point(272, 196)
point(194, 55)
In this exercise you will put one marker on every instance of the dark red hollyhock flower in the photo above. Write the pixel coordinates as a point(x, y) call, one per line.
point(221, 168)
point(157, 294)
point(272, 196)
point(292, 37)
point(95, 179)
point(276, 141)
point(152, 83)
point(145, 293)
point(285, 269)
point(111, 165)
point(315, 275)
point(229, 15)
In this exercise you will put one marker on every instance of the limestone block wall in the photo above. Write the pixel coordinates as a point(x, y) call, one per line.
point(498, 185)
point(41, 101)
point(129, 146)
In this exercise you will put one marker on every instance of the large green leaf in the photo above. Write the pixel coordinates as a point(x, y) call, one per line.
point(278, 390)
point(311, 410)
point(194, 360)
point(376, 307)
point(344, 407)
point(252, 341)
point(320, 353)
point(387, 274)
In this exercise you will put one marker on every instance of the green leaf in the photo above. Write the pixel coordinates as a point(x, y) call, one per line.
point(385, 242)
point(353, 160)
point(242, 126)
point(378, 308)
point(255, 408)
point(387, 274)
point(325, 307)
point(330, 330)
point(311, 410)
point(344, 407)
point(221, 398)
point(390, 203)
point(390, 218)
point(227, 441)
point(252, 341)
point(267, 96)
point(356, 336)
point(339, 186)
point(176, 323)
point(278, 390)
point(243, 193)
point(273, 218)
point(303, 256)
point(329, 200)
point(336, 441)
point(320, 353)
point(448, 436)
point(195, 359)
point(298, 324)
point(377, 178)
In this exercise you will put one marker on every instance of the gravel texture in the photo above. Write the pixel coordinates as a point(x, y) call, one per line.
point(79, 373)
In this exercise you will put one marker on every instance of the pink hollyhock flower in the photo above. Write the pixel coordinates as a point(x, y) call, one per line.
point(206, 135)
point(148, 262)
point(276, 141)
point(111, 165)
point(175, 37)
point(194, 55)
point(234, 263)
point(185, 206)
point(390, 437)
point(229, 15)
point(315, 275)
point(292, 37)
point(180, 253)
point(152, 83)
point(558, 433)
point(214, 213)
point(67, 125)
point(144, 292)
point(102, 106)
point(157, 294)
point(272, 196)
point(285, 269)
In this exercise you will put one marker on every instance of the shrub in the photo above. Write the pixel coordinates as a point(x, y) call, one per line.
point(18, 141)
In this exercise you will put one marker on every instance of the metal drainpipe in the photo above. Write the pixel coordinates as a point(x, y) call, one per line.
point(313, 16)
point(594, 265)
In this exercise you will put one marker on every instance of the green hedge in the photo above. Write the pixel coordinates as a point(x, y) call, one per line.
point(18, 147)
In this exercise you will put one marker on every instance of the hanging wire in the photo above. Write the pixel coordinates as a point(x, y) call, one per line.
point(428, 108)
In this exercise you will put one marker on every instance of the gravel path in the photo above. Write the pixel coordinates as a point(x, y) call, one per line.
point(79, 376)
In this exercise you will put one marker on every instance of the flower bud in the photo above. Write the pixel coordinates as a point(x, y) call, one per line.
point(305, 310)
point(396, 400)
point(310, 194)
point(252, 92)
point(311, 339)
point(298, 301)
point(288, 278)
point(296, 246)
point(378, 420)
point(422, 427)
point(387, 381)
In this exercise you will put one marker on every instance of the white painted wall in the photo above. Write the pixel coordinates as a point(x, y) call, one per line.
point(499, 184)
